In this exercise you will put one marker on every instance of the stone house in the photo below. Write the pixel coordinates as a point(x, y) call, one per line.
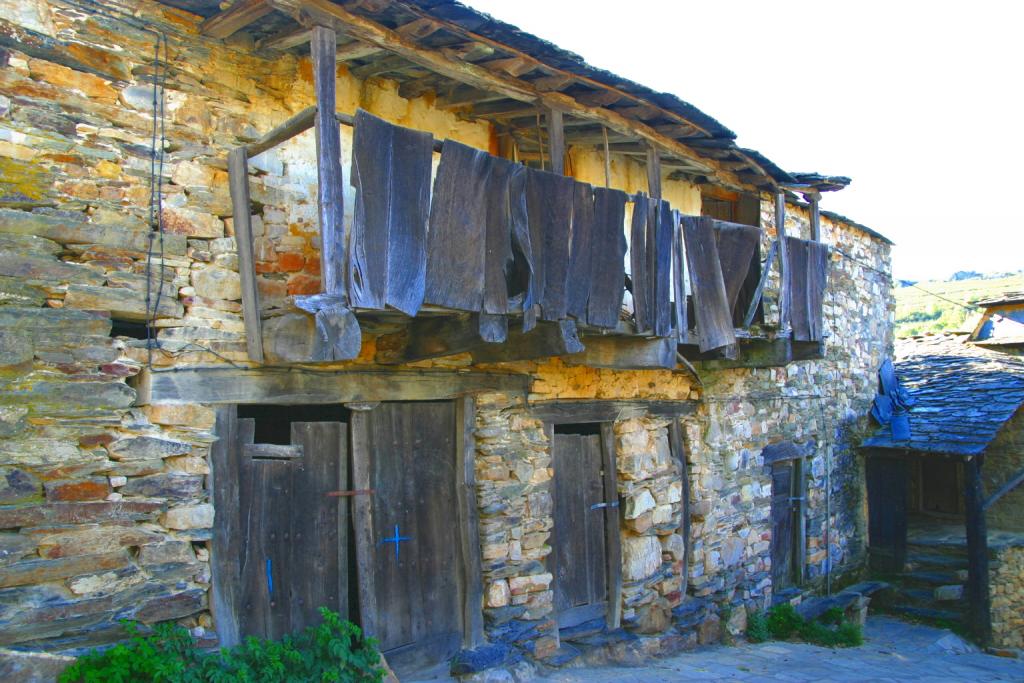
point(213, 410)
point(945, 506)
point(1001, 324)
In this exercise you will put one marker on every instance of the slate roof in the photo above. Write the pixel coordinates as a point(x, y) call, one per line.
point(965, 393)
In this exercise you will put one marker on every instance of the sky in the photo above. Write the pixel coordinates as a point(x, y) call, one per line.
point(922, 104)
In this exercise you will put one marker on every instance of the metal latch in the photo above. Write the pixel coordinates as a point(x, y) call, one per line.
point(598, 506)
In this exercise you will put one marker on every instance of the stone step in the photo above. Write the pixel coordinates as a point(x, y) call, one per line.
point(933, 561)
point(925, 597)
point(928, 613)
point(932, 578)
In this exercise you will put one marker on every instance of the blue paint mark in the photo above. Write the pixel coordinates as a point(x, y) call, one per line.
point(396, 539)
point(270, 578)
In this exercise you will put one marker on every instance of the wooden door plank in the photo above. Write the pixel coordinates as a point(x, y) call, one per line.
point(711, 304)
point(238, 184)
point(800, 523)
point(594, 517)
point(363, 517)
point(226, 532)
point(782, 525)
point(469, 523)
point(886, 480)
point(612, 525)
point(330, 198)
point(318, 523)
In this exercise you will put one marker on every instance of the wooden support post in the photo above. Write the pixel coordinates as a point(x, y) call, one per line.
point(556, 141)
point(607, 159)
point(979, 608)
point(654, 172)
point(238, 183)
point(323, 46)
point(814, 198)
point(780, 231)
point(469, 537)
point(613, 533)
point(675, 440)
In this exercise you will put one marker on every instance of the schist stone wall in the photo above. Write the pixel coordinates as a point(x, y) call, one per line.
point(104, 505)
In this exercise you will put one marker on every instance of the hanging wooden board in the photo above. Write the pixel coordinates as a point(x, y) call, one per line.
point(638, 264)
point(582, 248)
point(608, 268)
point(710, 301)
point(549, 198)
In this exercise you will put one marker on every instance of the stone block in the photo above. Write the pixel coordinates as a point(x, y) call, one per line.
point(28, 667)
point(674, 546)
point(172, 606)
point(171, 552)
point(106, 582)
point(952, 592)
point(121, 302)
point(19, 486)
point(95, 488)
point(498, 594)
point(93, 540)
point(171, 485)
point(16, 351)
point(186, 415)
point(191, 223)
point(217, 283)
point(14, 547)
point(77, 513)
point(189, 517)
point(146, 447)
point(638, 503)
point(641, 557)
point(519, 585)
point(42, 571)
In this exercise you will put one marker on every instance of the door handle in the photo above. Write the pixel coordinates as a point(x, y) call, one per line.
point(598, 506)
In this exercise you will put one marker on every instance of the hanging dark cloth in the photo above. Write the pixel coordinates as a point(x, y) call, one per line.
point(549, 199)
point(710, 301)
point(457, 239)
point(808, 275)
point(391, 176)
point(608, 253)
point(736, 247)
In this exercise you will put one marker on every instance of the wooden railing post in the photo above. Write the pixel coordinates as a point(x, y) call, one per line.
point(979, 608)
point(238, 184)
point(323, 48)
point(556, 141)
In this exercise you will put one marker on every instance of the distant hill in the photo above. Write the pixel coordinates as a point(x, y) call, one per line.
point(920, 311)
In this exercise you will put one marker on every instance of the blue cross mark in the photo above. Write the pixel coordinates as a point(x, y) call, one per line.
point(396, 539)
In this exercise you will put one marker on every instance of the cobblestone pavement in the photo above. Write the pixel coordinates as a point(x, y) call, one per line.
point(893, 651)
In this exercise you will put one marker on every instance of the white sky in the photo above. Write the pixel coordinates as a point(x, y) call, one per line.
point(922, 104)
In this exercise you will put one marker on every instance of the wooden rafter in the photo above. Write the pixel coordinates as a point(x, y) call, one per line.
point(441, 62)
point(235, 18)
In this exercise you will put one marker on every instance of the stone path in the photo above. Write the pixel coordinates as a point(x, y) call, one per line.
point(893, 651)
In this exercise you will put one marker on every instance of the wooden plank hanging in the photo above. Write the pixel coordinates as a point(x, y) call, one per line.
point(737, 245)
point(498, 247)
point(608, 268)
point(710, 302)
point(522, 280)
point(638, 263)
point(780, 234)
point(391, 168)
point(549, 203)
point(659, 249)
point(680, 321)
point(238, 183)
point(457, 240)
point(581, 251)
point(808, 272)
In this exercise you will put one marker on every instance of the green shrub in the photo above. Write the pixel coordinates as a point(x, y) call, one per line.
point(783, 622)
point(333, 651)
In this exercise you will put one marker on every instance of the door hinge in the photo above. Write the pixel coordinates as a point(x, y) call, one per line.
point(598, 506)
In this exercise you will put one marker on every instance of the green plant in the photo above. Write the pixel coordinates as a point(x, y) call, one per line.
point(783, 622)
point(331, 652)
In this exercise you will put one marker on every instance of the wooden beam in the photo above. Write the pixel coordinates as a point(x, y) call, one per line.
point(1012, 483)
point(612, 527)
point(780, 235)
point(418, 29)
point(977, 598)
point(387, 64)
point(235, 18)
point(297, 386)
point(626, 353)
point(512, 66)
point(553, 83)
point(450, 64)
point(323, 46)
point(238, 185)
point(568, 412)
point(815, 217)
point(468, 519)
point(299, 123)
point(427, 338)
point(285, 39)
point(753, 353)
point(356, 50)
point(547, 339)
point(607, 159)
point(556, 141)
point(463, 96)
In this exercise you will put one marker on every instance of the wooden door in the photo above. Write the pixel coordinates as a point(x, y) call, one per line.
point(887, 512)
point(407, 532)
point(783, 492)
point(281, 543)
point(580, 537)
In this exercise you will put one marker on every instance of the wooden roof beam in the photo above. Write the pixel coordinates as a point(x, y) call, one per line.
point(464, 96)
point(356, 50)
point(421, 28)
point(446, 64)
point(285, 39)
point(235, 18)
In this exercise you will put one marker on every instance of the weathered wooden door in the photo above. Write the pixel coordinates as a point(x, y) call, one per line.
point(280, 540)
point(783, 493)
point(407, 532)
point(585, 515)
point(887, 512)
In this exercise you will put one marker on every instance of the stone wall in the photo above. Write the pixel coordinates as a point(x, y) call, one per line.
point(1006, 591)
point(104, 510)
point(1004, 459)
